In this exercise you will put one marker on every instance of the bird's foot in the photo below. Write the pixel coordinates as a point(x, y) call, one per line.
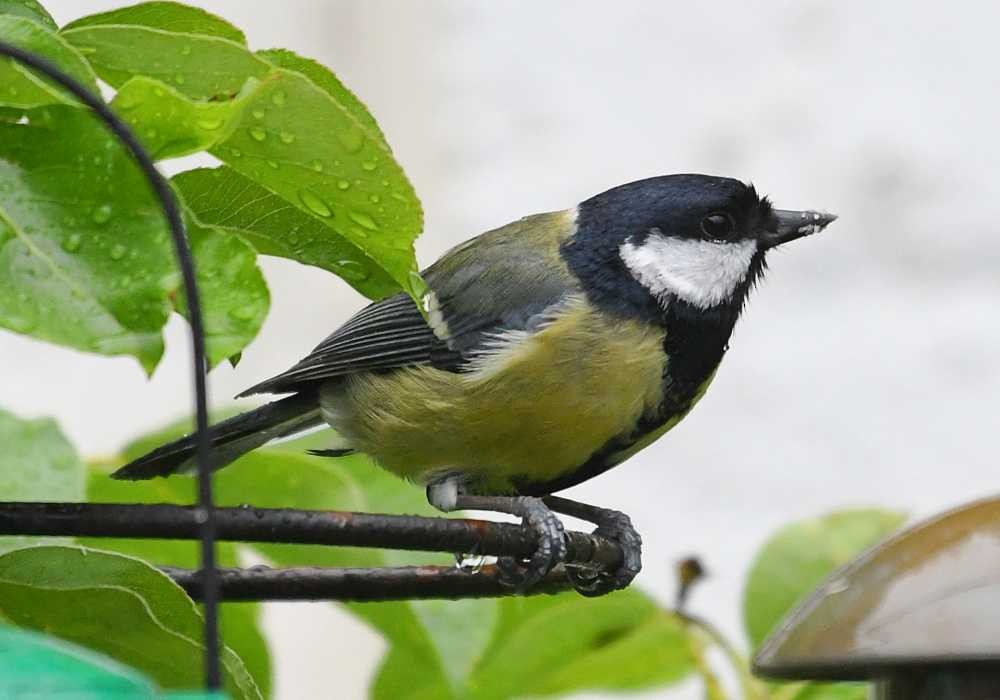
point(448, 495)
point(615, 526)
point(551, 549)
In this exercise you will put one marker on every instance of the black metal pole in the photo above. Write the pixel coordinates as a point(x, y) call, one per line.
point(205, 513)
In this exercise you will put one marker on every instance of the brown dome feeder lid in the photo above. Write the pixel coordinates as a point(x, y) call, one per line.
point(927, 597)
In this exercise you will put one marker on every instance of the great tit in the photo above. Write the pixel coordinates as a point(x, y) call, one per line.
point(548, 351)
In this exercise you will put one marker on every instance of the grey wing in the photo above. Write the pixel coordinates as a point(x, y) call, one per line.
point(385, 335)
point(499, 281)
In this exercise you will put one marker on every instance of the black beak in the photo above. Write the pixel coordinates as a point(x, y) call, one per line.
point(787, 225)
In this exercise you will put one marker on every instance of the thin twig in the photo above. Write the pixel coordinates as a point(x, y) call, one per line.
point(752, 688)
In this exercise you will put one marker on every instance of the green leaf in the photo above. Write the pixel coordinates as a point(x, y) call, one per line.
point(797, 559)
point(559, 644)
point(85, 259)
point(323, 78)
point(299, 142)
point(221, 197)
point(170, 124)
point(235, 299)
point(37, 665)
point(286, 478)
point(119, 52)
point(37, 463)
point(10, 114)
point(28, 8)
point(404, 675)
point(300, 135)
point(20, 86)
point(241, 625)
point(170, 16)
point(655, 652)
point(116, 605)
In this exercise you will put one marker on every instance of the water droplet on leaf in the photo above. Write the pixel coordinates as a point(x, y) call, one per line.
point(278, 98)
point(244, 313)
point(313, 203)
point(273, 164)
point(286, 137)
point(258, 113)
point(209, 124)
point(374, 198)
point(117, 252)
point(72, 243)
point(352, 270)
point(362, 219)
point(350, 140)
point(343, 184)
point(317, 166)
point(368, 165)
point(258, 134)
point(101, 214)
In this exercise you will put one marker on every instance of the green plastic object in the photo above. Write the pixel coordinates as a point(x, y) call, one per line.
point(34, 665)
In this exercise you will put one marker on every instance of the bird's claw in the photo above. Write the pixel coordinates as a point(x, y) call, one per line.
point(617, 527)
point(551, 549)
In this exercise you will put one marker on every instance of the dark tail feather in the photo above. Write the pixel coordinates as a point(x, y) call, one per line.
point(230, 439)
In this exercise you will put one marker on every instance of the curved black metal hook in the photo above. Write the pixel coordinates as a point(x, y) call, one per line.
point(209, 583)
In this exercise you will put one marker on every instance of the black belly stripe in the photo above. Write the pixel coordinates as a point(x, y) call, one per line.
point(695, 342)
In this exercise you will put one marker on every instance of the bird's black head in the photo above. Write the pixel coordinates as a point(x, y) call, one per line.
point(691, 241)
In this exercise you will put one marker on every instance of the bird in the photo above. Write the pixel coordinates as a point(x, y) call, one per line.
point(544, 353)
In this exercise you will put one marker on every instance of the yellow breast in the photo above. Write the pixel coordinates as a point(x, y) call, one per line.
point(534, 405)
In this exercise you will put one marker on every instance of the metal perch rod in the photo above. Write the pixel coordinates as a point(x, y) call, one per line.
point(331, 528)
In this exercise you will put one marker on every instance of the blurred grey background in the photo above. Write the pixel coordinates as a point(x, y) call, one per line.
point(865, 369)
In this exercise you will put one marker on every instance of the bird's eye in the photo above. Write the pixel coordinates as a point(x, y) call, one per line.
point(719, 226)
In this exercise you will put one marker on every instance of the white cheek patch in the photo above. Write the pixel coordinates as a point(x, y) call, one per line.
point(702, 273)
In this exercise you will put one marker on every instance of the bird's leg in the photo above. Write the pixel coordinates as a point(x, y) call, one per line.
point(615, 526)
point(447, 496)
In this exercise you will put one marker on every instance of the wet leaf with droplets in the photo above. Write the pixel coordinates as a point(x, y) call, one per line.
point(66, 226)
point(235, 298)
point(169, 16)
point(323, 78)
point(172, 125)
point(22, 88)
point(32, 9)
point(225, 199)
point(119, 52)
point(85, 256)
point(333, 166)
